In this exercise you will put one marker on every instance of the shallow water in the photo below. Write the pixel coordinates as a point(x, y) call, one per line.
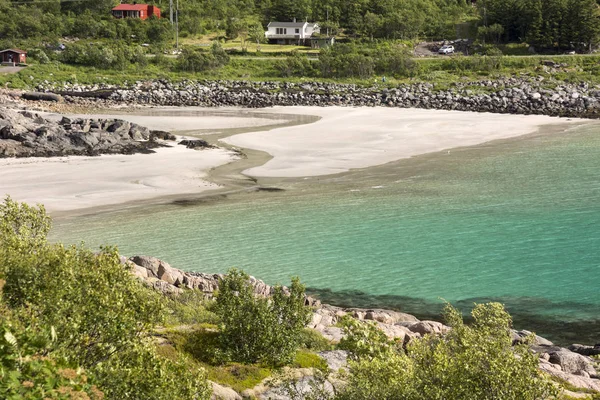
point(516, 221)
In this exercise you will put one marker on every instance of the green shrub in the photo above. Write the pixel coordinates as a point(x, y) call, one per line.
point(65, 308)
point(470, 362)
point(313, 340)
point(139, 373)
point(190, 308)
point(295, 64)
point(255, 329)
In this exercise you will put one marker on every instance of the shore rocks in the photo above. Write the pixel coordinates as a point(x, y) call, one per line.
point(515, 95)
point(24, 134)
point(566, 364)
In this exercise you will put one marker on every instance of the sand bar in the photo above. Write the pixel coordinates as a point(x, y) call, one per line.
point(344, 139)
point(348, 138)
point(72, 183)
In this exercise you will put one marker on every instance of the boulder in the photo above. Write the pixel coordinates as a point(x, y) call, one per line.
point(170, 275)
point(162, 135)
point(585, 350)
point(223, 393)
point(150, 263)
point(521, 336)
point(428, 328)
point(333, 334)
point(196, 144)
point(388, 316)
point(573, 363)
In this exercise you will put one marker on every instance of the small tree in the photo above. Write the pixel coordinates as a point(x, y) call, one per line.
point(261, 329)
point(257, 34)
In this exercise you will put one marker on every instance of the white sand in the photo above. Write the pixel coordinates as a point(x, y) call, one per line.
point(71, 183)
point(347, 138)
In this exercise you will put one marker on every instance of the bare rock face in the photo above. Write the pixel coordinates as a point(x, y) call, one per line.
point(25, 134)
point(336, 359)
point(578, 381)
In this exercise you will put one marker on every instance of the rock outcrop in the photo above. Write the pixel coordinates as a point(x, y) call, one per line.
point(573, 367)
point(25, 134)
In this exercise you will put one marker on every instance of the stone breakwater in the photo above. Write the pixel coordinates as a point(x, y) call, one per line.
point(25, 134)
point(573, 365)
point(509, 95)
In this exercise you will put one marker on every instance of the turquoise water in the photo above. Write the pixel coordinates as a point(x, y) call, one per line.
point(516, 221)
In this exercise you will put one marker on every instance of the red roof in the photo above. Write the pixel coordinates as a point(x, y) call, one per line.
point(14, 51)
point(131, 7)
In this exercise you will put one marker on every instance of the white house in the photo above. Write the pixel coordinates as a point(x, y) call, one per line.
point(298, 33)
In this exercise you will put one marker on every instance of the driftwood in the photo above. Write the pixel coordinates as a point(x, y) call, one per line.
point(97, 94)
point(41, 96)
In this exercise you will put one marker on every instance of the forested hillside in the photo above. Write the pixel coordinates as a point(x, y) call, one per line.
point(545, 23)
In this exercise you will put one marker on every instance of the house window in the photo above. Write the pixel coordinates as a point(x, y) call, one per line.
point(297, 30)
point(281, 31)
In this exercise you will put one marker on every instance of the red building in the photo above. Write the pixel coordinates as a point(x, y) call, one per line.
point(140, 11)
point(13, 56)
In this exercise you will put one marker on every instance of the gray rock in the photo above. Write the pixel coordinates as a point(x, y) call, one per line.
point(223, 393)
point(585, 350)
point(428, 328)
point(573, 363)
point(335, 360)
point(150, 263)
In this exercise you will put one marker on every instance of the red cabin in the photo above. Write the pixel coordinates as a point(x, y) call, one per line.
point(140, 11)
point(13, 56)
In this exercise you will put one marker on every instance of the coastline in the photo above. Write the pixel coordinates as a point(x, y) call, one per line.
point(283, 142)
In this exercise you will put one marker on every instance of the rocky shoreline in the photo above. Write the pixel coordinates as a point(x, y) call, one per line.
point(26, 134)
point(516, 95)
point(572, 365)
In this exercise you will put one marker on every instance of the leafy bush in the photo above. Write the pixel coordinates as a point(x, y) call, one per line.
point(190, 308)
point(313, 340)
point(197, 60)
point(295, 64)
point(470, 362)
point(257, 329)
point(139, 373)
point(66, 308)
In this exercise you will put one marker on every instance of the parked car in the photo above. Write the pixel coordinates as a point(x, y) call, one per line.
point(446, 49)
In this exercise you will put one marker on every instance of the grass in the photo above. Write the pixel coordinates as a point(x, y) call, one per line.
point(443, 72)
point(308, 359)
point(238, 376)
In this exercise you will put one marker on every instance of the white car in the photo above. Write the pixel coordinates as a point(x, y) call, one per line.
point(446, 49)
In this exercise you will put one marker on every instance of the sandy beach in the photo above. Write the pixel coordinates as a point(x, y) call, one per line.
point(348, 138)
point(344, 139)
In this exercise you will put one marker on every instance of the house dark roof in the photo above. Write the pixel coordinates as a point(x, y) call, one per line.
point(286, 24)
point(14, 51)
point(131, 7)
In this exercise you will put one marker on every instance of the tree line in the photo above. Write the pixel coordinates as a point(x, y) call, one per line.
point(545, 24)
